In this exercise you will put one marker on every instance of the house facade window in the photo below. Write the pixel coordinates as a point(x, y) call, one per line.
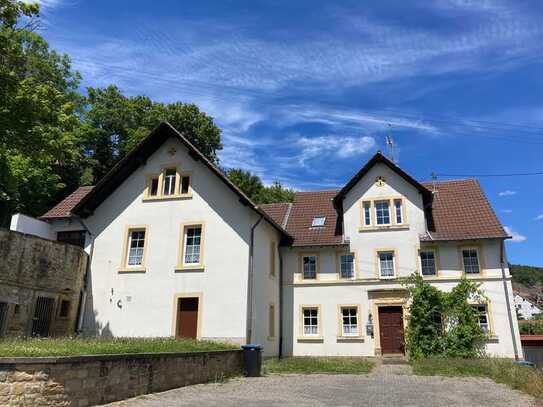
point(192, 245)
point(153, 187)
point(386, 264)
point(428, 263)
point(310, 321)
point(185, 184)
point(398, 209)
point(470, 259)
point(367, 213)
point(482, 317)
point(382, 212)
point(169, 181)
point(309, 267)
point(346, 266)
point(136, 247)
point(349, 321)
point(318, 221)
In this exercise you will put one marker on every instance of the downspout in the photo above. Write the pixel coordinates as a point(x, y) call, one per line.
point(280, 353)
point(83, 304)
point(507, 302)
point(249, 328)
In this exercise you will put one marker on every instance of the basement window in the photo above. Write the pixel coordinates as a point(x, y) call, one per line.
point(64, 309)
point(318, 221)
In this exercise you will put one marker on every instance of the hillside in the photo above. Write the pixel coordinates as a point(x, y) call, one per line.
point(528, 276)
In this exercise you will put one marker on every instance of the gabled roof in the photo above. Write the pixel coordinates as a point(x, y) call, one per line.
point(138, 156)
point(64, 208)
point(376, 159)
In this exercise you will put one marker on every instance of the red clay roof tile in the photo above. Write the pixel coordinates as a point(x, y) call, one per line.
point(63, 208)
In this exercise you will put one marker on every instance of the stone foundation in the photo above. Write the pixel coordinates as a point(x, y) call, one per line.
point(92, 380)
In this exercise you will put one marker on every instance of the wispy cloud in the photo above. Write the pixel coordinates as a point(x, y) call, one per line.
point(515, 236)
point(507, 192)
point(334, 145)
point(539, 217)
point(507, 210)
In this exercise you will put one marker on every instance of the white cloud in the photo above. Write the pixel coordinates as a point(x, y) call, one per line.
point(338, 146)
point(539, 217)
point(507, 192)
point(515, 236)
point(507, 210)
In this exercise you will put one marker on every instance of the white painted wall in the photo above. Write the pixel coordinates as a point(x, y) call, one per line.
point(525, 308)
point(32, 226)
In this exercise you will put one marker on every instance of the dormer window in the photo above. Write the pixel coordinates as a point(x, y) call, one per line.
point(398, 211)
point(382, 212)
point(318, 221)
point(169, 181)
point(169, 184)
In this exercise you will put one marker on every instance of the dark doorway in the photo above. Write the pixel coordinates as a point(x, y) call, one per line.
point(42, 316)
point(75, 237)
point(391, 330)
point(187, 317)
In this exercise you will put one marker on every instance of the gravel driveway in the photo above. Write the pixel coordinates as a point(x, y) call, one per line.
point(340, 390)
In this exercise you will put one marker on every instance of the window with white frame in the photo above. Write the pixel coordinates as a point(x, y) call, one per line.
point(136, 247)
point(309, 264)
point(398, 211)
point(482, 317)
point(382, 212)
point(470, 257)
point(386, 264)
point(346, 265)
point(169, 181)
point(367, 213)
point(311, 321)
point(428, 263)
point(318, 221)
point(349, 321)
point(193, 241)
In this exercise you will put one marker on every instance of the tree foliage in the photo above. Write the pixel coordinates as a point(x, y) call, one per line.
point(444, 323)
point(253, 187)
point(527, 275)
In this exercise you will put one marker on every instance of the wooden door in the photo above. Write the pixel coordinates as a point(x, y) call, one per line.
point(391, 330)
point(187, 317)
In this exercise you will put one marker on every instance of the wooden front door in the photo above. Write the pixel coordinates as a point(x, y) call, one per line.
point(187, 317)
point(391, 330)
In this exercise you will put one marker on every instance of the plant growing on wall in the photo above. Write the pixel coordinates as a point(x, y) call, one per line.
point(444, 323)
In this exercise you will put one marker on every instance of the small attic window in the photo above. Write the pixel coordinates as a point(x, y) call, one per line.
point(318, 221)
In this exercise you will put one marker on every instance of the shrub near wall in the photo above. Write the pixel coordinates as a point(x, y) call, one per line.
point(99, 379)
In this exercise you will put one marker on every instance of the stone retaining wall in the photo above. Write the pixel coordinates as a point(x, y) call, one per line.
point(92, 380)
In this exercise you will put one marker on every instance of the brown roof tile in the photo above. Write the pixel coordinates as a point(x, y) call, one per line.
point(460, 211)
point(63, 208)
point(277, 211)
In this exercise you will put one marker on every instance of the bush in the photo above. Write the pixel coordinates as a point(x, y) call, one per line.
point(531, 327)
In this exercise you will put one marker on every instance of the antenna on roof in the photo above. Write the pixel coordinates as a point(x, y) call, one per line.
point(390, 144)
point(434, 183)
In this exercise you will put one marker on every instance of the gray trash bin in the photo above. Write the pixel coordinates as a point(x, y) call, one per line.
point(252, 360)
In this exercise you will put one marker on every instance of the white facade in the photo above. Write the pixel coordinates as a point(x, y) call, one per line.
point(525, 308)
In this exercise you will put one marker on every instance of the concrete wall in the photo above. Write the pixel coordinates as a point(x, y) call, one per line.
point(32, 226)
point(33, 267)
point(92, 380)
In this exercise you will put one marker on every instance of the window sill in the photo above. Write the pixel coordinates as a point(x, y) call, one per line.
point(315, 339)
point(195, 267)
point(167, 198)
point(350, 339)
point(132, 270)
point(387, 278)
point(383, 228)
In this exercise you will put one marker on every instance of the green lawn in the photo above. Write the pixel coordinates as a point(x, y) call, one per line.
point(504, 371)
point(310, 365)
point(100, 346)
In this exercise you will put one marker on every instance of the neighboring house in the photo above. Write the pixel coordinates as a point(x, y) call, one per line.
point(176, 249)
point(527, 301)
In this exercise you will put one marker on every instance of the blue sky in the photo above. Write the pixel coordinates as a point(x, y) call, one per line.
point(305, 92)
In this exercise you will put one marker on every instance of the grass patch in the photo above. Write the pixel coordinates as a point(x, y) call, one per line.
point(103, 346)
point(504, 371)
point(308, 365)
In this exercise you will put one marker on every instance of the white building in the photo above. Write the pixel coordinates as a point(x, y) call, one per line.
point(525, 307)
point(177, 249)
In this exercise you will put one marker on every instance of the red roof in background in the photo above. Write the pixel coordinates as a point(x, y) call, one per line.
point(277, 211)
point(64, 207)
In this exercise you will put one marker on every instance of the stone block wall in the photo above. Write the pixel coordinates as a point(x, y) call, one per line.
point(93, 380)
point(30, 267)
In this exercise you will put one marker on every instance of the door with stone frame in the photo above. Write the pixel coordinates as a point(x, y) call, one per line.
point(391, 330)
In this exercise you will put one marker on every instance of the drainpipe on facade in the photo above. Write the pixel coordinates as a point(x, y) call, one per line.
point(507, 302)
point(83, 302)
point(249, 329)
point(280, 353)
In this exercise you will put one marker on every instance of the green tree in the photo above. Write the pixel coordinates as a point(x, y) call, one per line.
point(275, 193)
point(250, 184)
point(114, 123)
point(39, 107)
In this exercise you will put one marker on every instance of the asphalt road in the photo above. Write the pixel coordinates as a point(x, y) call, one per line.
point(374, 390)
